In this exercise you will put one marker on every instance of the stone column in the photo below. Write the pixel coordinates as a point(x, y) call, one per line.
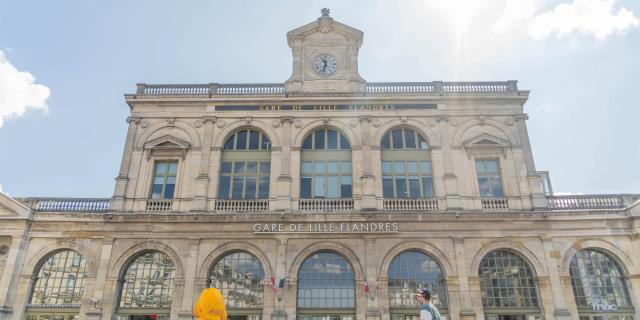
point(467, 293)
point(14, 287)
point(178, 295)
point(117, 201)
point(202, 180)
point(476, 300)
point(553, 259)
point(567, 290)
point(371, 276)
point(367, 179)
point(361, 301)
point(546, 298)
point(95, 299)
point(283, 183)
point(452, 194)
point(633, 282)
point(214, 167)
point(279, 306)
point(190, 279)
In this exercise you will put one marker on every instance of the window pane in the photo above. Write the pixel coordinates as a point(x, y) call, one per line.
point(410, 271)
point(506, 281)
point(306, 167)
point(265, 167)
point(319, 136)
point(225, 167)
point(238, 167)
point(491, 166)
point(414, 187)
point(238, 185)
point(307, 142)
point(345, 188)
point(412, 166)
point(241, 142)
point(386, 167)
point(398, 167)
point(223, 187)
point(387, 187)
point(410, 139)
point(239, 272)
point(345, 166)
point(385, 143)
point(480, 166)
point(265, 143)
point(496, 187)
point(254, 140)
point(483, 185)
point(319, 167)
point(168, 191)
point(396, 136)
point(250, 192)
point(422, 143)
point(332, 139)
point(161, 167)
point(156, 191)
point(229, 144)
point(427, 186)
point(401, 187)
point(252, 167)
point(332, 187)
point(173, 167)
point(263, 188)
point(425, 167)
point(344, 143)
point(305, 187)
point(332, 167)
point(318, 187)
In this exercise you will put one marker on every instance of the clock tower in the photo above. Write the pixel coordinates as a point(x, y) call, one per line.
point(325, 58)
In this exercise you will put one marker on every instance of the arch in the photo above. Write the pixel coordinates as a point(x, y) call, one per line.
point(524, 252)
point(194, 137)
point(60, 282)
point(335, 247)
point(228, 130)
point(38, 258)
point(623, 260)
point(507, 134)
point(134, 251)
point(419, 127)
point(215, 255)
point(426, 248)
point(312, 126)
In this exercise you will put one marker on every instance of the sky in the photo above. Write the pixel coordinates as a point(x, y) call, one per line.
point(65, 65)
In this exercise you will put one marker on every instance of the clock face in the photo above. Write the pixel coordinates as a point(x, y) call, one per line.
point(325, 64)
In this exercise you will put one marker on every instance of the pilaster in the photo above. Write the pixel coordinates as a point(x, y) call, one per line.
point(199, 202)
point(117, 201)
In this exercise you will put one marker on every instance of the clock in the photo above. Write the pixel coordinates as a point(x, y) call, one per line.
point(325, 64)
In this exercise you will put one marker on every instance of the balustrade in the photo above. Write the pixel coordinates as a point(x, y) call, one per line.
point(323, 205)
point(67, 204)
point(242, 205)
point(586, 202)
point(411, 204)
point(159, 204)
point(495, 204)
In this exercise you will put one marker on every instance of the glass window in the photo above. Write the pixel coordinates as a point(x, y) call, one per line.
point(326, 139)
point(164, 179)
point(147, 281)
point(403, 138)
point(413, 270)
point(326, 166)
point(245, 167)
point(326, 281)
point(507, 281)
point(59, 281)
point(406, 167)
point(597, 279)
point(239, 277)
point(489, 182)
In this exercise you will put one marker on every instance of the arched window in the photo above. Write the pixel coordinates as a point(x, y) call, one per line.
point(146, 286)
point(508, 286)
point(408, 272)
point(325, 171)
point(239, 276)
point(326, 288)
point(245, 167)
point(599, 286)
point(406, 165)
point(57, 287)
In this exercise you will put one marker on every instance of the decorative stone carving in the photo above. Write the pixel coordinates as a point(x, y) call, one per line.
point(171, 121)
point(454, 122)
point(198, 123)
point(220, 123)
point(509, 121)
point(431, 123)
point(144, 123)
point(482, 120)
point(248, 120)
point(376, 122)
point(297, 124)
point(325, 121)
point(275, 123)
point(353, 123)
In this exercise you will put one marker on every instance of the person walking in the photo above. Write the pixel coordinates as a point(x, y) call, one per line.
point(210, 306)
point(427, 310)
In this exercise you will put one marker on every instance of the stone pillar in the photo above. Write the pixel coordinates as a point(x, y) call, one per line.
point(553, 259)
point(367, 179)
point(119, 192)
point(14, 287)
point(279, 307)
point(283, 183)
point(570, 301)
point(178, 295)
point(451, 192)
point(546, 297)
point(94, 303)
point(476, 300)
point(453, 289)
point(190, 279)
point(633, 282)
point(371, 276)
point(214, 167)
point(110, 296)
point(467, 293)
point(361, 301)
point(199, 202)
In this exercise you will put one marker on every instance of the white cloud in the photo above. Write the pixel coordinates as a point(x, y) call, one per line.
point(594, 17)
point(18, 92)
point(597, 18)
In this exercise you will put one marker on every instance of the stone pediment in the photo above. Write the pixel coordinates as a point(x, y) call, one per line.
point(12, 209)
point(167, 145)
point(486, 141)
point(326, 25)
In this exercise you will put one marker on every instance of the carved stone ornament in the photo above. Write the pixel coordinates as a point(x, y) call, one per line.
point(431, 123)
point(353, 123)
point(509, 121)
point(199, 123)
point(453, 122)
point(275, 123)
point(171, 121)
point(144, 123)
point(297, 124)
point(376, 122)
point(220, 123)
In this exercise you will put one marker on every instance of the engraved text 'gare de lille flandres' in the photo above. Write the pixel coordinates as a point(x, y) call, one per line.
point(324, 107)
point(327, 227)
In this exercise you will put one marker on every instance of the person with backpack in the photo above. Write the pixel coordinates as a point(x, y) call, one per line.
point(427, 310)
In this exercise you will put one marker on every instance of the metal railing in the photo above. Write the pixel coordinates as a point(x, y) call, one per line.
point(411, 204)
point(66, 204)
point(323, 205)
point(495, 204)
point(437, 87)
point(242, 205)
point(586, 202)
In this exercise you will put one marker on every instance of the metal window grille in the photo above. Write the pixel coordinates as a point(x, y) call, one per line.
point(507, 281)
point(597, 278)
point(59, 281)
point(326, 281)
point(239, 276)
point(147, 281)
point(413, 270)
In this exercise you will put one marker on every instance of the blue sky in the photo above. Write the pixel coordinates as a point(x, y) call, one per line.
point(62, 134)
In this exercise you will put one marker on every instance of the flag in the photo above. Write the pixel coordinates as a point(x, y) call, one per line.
point(281, 283)
point(272, 284)
point(366, 286)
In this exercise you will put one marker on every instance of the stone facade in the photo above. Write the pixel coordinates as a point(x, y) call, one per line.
point(457, 226)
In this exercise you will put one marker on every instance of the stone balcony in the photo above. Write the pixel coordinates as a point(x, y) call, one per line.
point(613, 202)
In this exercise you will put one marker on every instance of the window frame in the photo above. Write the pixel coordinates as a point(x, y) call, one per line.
point(252, 310)
point(488, 174)
point(417, 153)
point(154, 164)
point(313, 156)
point(260, 156)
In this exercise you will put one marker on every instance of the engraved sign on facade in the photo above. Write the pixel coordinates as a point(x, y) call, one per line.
point(327, 227)
point(324, 107)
